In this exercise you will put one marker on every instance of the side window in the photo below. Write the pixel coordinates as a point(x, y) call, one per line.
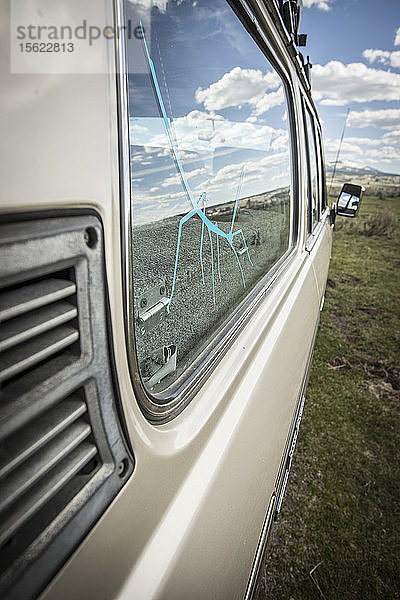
point(324, 202)
point(313, 205)
point(211, 178)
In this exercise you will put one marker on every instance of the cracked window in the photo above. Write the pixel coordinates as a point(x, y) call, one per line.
point(211, 183)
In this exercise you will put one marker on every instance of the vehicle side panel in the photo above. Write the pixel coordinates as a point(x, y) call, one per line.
point(187, 523)
point(194, 507)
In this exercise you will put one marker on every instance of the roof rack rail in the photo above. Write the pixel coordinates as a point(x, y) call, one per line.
point(291, 11)
point(286, 15)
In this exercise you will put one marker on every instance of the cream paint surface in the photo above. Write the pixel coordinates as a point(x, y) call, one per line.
point(172, 537)
point(72, 162)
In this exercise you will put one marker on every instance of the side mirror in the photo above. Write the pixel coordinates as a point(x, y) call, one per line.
point(349, 200)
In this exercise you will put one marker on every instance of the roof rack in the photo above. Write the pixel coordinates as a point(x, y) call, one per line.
point(286, 15)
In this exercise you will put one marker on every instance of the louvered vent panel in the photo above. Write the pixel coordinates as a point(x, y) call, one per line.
point(35, 322)
point(62, 456)
point(39, 459)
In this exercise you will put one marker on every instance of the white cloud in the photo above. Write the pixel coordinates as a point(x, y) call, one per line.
point(395, 59)
point(137, 131)
point(239, 86)
point(397, 37)
point(176, 178)
point(384, 119)
point(266, 171)
point(380, 56)
point(148, 4)
point(386, 154)
point(207, 134)
point(204, 116)
point(392, 137)
point(336, 84)
point(270, 100)
point(357, 141)
point(322, 4)
point(383, 57)
point(362, 152)
point(171, 180)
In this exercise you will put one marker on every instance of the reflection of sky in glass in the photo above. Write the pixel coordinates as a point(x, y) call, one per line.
point(313, 167)
point(224, 103)
point(344, 199)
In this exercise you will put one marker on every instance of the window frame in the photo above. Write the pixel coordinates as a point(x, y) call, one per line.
point(311, 224)
point(323, 209)
point(321, 158)
point(162, 407)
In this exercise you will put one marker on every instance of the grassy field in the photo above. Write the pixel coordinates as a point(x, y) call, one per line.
point(338, 536)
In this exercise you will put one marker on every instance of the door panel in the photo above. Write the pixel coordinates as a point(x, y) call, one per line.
point(205, 543)
point(188, 523)
point(320, 254)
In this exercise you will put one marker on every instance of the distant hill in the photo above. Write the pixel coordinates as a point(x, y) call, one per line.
point(376, 183)
point(343, 169)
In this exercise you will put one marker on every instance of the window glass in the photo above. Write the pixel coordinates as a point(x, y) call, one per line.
point(322, 171)
point(210, 176)
point(313, 200)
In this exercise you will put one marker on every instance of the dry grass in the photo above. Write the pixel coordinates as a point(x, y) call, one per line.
point(338, 534)
point(381, 223)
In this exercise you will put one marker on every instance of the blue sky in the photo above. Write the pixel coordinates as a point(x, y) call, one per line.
point(225, 105)
point(354, 46)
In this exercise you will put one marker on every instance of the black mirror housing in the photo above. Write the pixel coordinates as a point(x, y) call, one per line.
point(332, 214)
point(349, 200)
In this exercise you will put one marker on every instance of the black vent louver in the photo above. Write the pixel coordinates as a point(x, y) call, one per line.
point(62, 455)
point(34, 321)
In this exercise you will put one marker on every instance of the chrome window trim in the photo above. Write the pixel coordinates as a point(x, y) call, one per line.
point(262, 544)
point(307, 106)
point(124, 164)
point(161, 408)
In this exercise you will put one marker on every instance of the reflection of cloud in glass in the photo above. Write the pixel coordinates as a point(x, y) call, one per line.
point(148, 4)
point(239, 86)
point(265, 174)
point(203, 135)
point(214, 148)
point(176, 180)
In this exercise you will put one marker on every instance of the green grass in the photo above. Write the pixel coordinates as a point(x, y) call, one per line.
point(338, 535)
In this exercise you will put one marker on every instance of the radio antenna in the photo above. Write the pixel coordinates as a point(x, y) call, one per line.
point(338, 152)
